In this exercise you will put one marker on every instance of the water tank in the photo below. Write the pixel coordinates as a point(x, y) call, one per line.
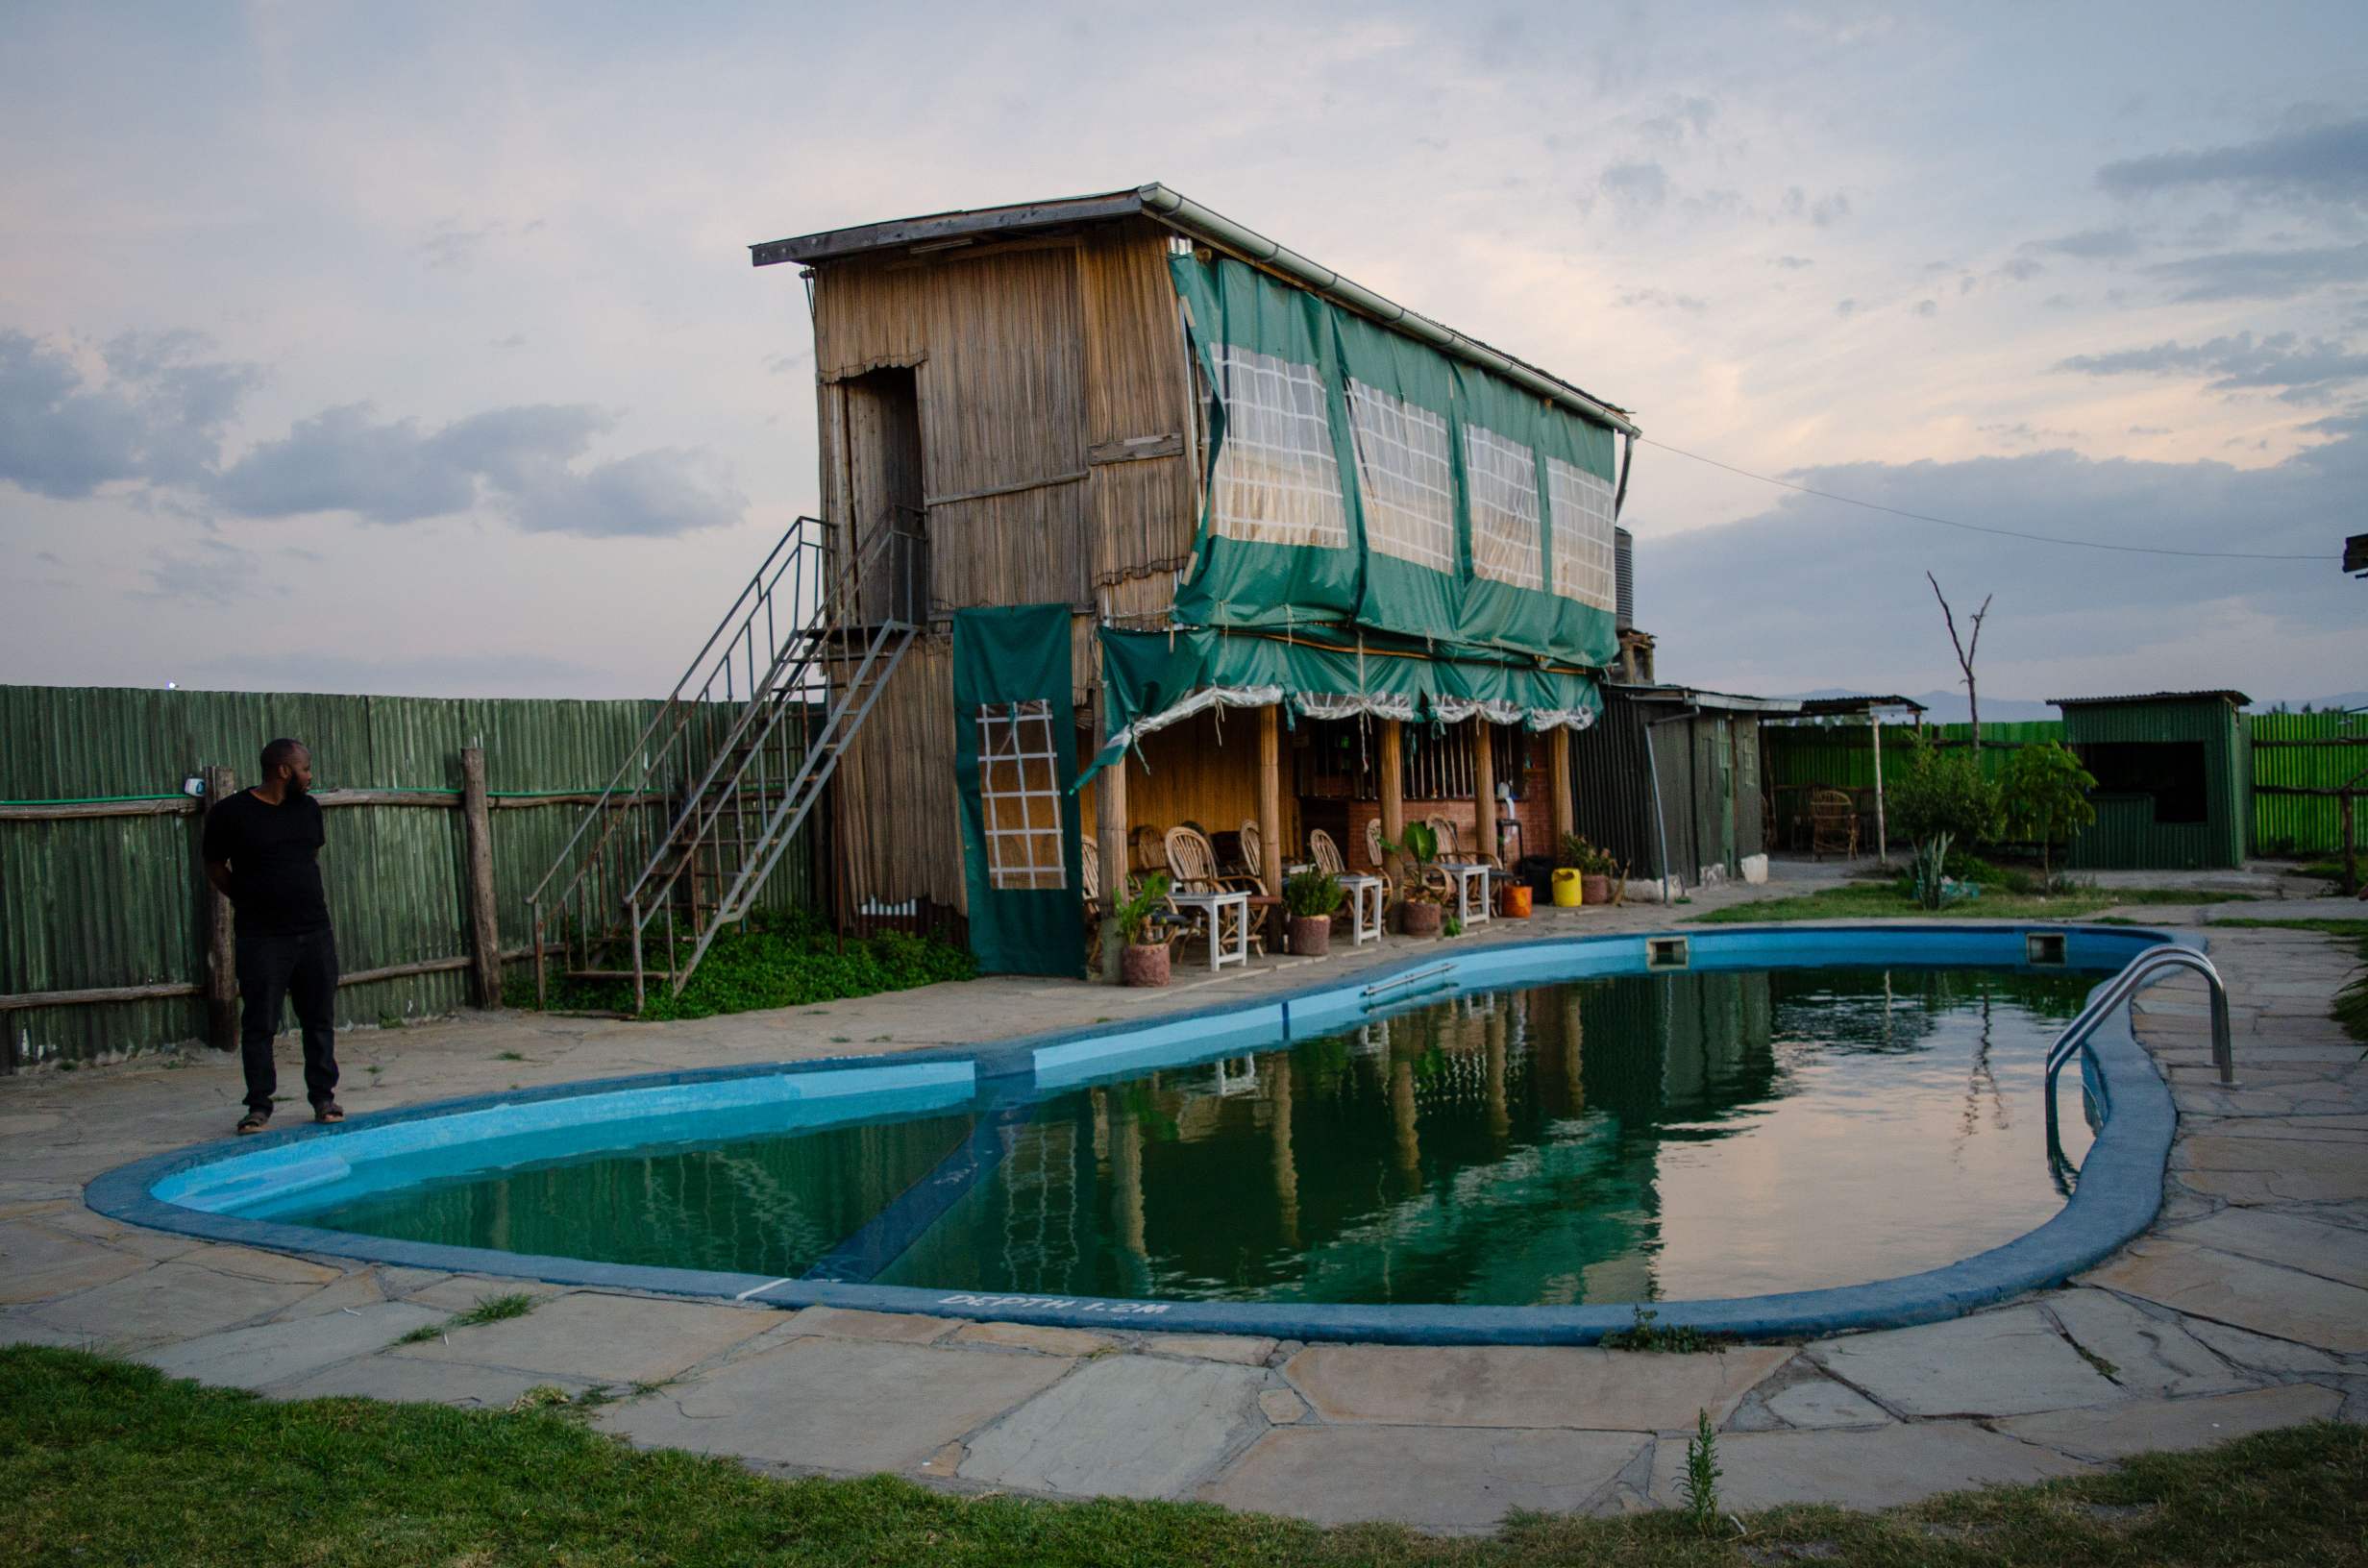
point(1624, 576)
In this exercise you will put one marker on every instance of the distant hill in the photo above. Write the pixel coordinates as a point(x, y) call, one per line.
point(1949, 707)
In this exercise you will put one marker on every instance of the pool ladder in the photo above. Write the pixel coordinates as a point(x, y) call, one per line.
point(2142, 970)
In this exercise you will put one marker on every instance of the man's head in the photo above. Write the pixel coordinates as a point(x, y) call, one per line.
point(289, 764)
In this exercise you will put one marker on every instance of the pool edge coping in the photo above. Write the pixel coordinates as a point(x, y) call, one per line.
point(2119, 1193)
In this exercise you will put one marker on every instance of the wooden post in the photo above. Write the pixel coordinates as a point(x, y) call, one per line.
point(1566, 803)
point(1484, 785)
point(1271, 815)
point(1392, 797)
point(1110, 837)
point(2351, 845)
point(1883, 843)
point(221, 943)
point(485, 912)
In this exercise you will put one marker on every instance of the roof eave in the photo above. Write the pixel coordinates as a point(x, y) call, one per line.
point(1189, 217)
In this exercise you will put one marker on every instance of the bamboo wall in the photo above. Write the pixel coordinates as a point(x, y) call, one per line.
point(1203, 770)
point(1052, 372)
point(96, 902)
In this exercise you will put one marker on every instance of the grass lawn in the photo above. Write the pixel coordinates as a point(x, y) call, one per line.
point(1874, 900)
point(2350, 1009)
point(108, 1462)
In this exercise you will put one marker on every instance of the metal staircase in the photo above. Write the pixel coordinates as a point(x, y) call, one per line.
point(678, 845)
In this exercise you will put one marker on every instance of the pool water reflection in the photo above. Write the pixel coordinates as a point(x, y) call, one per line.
point(1683, 1135)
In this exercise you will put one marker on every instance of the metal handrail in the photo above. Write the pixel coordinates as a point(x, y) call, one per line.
point(1407, 978)
point(2118, 990)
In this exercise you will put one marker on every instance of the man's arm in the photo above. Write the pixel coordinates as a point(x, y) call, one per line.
point(217, 850)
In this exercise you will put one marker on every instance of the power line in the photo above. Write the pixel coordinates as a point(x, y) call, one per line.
point(1977, 527)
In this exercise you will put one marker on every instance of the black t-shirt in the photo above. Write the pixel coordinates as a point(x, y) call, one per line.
point(275, 873)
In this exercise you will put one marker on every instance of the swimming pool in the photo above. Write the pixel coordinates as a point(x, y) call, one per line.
point(1756, 1130)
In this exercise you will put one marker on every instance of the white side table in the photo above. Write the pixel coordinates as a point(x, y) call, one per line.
point(1222, 916)
point(1365, 895)
point(1471, 891)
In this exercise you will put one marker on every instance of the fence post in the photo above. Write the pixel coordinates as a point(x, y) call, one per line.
point(484, 912)
point(221, 943)
point(2350, 845)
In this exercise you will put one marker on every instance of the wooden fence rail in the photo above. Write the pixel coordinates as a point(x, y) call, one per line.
point(111, 941)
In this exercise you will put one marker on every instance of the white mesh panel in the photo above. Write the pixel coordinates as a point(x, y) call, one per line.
point(1503, 480)
point(1019, 791)
point(1403, 474)
point(1582, 504)
point(1277, 481)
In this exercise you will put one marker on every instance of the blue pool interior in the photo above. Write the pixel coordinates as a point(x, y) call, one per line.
point(1552, 1124)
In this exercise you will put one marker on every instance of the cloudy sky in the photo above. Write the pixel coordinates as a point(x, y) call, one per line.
point(415, 348)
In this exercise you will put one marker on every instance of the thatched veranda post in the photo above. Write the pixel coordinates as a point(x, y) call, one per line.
point(1110, 839)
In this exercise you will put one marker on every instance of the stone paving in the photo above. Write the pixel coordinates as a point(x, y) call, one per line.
point(2244, 1308)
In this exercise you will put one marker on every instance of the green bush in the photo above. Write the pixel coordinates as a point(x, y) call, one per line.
point(1134, 912)
point(1313, 895)
point(1942, 793)
point(2046, 797)
point(771, 959)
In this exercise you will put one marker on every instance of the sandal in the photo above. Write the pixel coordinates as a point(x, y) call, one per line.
point(329, 1111)
point(253, 1121)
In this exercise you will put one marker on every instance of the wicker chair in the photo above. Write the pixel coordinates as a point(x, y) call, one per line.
point(1451, 848)
point(1832, 825)
point(1325, 853)
point(1192, 863)
point(1254, 856)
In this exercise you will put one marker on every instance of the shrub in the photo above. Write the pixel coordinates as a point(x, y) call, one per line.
point(1421, 847)
point(1134, 912)
point(2046, 797)
point(1942, 794)
point(1313, 895)
point(1582, 856)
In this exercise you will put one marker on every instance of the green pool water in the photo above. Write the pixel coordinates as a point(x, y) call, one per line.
point(1689, 1134)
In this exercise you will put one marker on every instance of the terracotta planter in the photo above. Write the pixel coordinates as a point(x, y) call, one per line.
point(1566, 887)
point(1419, 918)
point(1310, 935)
point(1598, 889)
point(1146, 965)
point(1513, 902)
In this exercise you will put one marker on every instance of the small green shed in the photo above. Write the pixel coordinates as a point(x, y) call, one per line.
point(2174, 785)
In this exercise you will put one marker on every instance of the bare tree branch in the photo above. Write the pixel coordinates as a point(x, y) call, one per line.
point(1965, 652)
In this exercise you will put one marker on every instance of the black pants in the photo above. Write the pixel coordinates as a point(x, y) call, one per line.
point(273, 970)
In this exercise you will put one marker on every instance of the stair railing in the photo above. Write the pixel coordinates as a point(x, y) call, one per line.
point(587, 879)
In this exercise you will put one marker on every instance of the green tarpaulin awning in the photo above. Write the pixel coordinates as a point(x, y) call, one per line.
point(1151, 679)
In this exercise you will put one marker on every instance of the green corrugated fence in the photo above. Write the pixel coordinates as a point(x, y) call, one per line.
point(90, 904)
point(1805, 756)
point(2301, 824)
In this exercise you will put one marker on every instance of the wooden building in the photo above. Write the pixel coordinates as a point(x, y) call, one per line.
point(1320, 558)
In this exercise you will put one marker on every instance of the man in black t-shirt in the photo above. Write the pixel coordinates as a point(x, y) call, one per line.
point(262, 848)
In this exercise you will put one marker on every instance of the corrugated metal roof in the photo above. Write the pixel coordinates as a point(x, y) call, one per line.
point(2237, 698)
point(950, 229)
point(1702, 697)
point(1821, 707)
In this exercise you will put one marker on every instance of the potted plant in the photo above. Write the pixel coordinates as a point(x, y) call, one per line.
point(1143, 960)
point(1586, 869)
point(1420, 902)
point(1311, 898)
